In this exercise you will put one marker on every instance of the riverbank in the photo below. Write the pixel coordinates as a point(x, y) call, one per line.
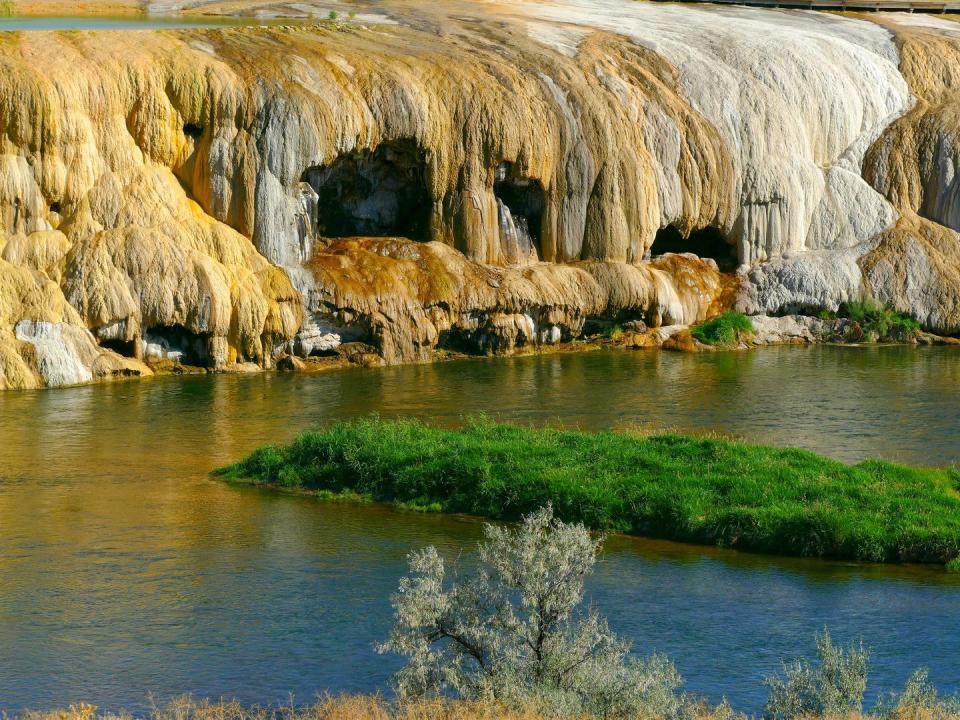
point(698, 490)
point(348, 708)
point(757, 331)
point(356, 708)
point(374, 707)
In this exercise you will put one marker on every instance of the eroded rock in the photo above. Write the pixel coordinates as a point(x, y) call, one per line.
point(546, 164)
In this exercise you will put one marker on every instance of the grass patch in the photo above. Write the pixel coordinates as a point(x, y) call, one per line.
point(725, 329)
point(875, 318)
point(701, 490)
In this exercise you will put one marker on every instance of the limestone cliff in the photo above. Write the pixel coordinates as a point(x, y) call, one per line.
point(465, 173)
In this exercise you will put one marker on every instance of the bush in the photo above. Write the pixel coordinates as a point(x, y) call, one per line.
point(834, 686)
point(516, 630)
point(725, 329)
point(878, 319)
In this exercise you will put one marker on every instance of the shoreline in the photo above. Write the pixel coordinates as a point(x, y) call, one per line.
point(377, 707)
point(788, 330)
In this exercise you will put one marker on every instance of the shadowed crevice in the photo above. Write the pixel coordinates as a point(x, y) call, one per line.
point(373, 193)
point(706, 242)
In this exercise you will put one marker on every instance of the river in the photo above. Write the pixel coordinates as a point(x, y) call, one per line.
point(125, 570)
point(21, 23)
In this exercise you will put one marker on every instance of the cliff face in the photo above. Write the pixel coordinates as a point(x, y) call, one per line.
point(476, 174)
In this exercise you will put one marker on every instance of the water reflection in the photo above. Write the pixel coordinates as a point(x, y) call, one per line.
point(125, 570)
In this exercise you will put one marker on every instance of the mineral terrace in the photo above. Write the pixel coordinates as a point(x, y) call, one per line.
point(466, 174)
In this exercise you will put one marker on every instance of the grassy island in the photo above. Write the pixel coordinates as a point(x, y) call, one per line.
point(699, 490)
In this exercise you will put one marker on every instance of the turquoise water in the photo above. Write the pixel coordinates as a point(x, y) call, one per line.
point(125, 570)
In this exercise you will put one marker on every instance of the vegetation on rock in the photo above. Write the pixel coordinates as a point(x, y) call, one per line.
point(874, 321)
point(725, 329)
point(701, 490)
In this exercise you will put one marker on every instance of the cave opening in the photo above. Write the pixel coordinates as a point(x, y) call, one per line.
point(520, 204)
point(707, 242)
point(126, 348)
point(374, 193)
point(192, 130)
point(176, 343)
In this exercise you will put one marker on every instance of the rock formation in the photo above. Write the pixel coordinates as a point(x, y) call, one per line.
point(475, 175)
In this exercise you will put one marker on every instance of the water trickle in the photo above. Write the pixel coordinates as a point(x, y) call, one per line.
point(520, 203)
point(515, 236)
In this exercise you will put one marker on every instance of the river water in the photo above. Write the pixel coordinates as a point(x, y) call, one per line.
point(125, 570)
point(22, 23)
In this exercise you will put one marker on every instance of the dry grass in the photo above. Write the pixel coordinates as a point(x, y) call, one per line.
point(358, 707)
point(330, 708)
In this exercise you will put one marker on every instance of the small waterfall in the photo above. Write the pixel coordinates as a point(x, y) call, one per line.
point(520, 204)
point(515, 236)
point(306, 221)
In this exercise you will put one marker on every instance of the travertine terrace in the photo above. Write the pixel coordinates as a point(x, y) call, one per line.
point(488, 174)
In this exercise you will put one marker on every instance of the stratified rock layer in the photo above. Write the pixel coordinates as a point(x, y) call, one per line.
point(472, 175)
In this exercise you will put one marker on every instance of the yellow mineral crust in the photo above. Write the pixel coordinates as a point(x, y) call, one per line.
point(488, 173)
point(916, 265)
point(408, 294)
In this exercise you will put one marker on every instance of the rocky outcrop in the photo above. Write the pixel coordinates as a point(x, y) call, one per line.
point(463, 174)
point(410, 297)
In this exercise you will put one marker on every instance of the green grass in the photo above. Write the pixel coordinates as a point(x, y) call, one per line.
point(724, 329)
point(697, 490)
point(875, 318)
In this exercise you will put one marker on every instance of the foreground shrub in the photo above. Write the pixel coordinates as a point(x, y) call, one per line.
point(833, 686)
point(725, 329)
point(516, 631)
point(704, 490)
point(919, 700)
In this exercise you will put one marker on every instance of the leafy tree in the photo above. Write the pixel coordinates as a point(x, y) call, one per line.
point(516, 630)
point(834, 686)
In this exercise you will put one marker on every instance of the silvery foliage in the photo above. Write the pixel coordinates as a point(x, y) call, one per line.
point(516, 630)
point(835, 685)
point(919, 699)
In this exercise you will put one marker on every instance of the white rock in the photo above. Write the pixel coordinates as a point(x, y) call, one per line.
point(61, 351)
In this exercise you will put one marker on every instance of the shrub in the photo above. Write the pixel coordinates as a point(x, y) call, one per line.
point(877, 318)
point(516, 630)
point(725, 329)
point(7, 8)
point(834, 686)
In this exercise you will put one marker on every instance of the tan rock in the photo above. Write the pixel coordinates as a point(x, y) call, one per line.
point(508, 168)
